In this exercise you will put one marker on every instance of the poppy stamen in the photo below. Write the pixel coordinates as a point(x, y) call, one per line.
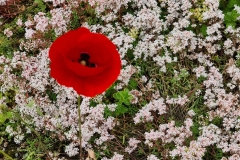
point(84, 63)
point(84, 60)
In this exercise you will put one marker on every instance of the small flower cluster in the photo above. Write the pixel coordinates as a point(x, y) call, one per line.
point(3, 2)
point(169, 133)
point(8, 32)
point(60, 19)
point(234, 73)
point(144, 115)
point(125, 76)
point(18, 135)
point(116, 156)
point(132, 145)
point(179, 101)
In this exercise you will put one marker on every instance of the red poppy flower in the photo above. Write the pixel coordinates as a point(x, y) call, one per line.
point(88, 62)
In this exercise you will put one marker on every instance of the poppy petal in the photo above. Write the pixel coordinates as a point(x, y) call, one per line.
point(66, 42)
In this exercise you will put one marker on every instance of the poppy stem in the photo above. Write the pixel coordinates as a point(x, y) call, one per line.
point(79, 126)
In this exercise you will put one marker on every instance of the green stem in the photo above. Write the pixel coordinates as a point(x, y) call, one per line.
point(6, 155)
point(79, 126)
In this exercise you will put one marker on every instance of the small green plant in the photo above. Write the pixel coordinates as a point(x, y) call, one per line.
point(230, 15)
point(40, 5)
point(123, 99)
point(230, 18)
point(4, 113)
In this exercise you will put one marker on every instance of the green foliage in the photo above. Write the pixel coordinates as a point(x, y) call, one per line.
point(238, 63)
point(132, 84)
point(33, 7)
point(6, 46)
point(33, 149)
point(231, 3)
point(41, 5)
point(9, 97)
point(183, 73)
point(52, 96)
point(149, 126)
point(201, 79)
point(230, 18)
point(5, 113)
point(19, 32)
point(120, 110)
point(110, 92)
point(170, 146)
point(30, 103)
point(5, 116)
point(123, 97)
point(75, 21)
point(217, 121)
point(176, 84)
point(125, 29)
point(203, 30)
point(130, 54)
point(91, 17)
point(36, 148)
point(195, 130)
point(50, 35)
point(213, 153)
point(230, 15)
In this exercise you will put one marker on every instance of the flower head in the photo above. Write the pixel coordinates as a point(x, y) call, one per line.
point(88, 62)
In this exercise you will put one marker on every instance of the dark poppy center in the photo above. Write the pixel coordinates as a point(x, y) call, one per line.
point(84, 60)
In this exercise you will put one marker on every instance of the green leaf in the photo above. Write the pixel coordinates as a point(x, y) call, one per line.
point(110, 91)
point(217, 121)
point(30, 103)
point(41, 4)
point(39, 112)
point(120, 110)
point(2, 118)
point(231, 3)
point(228, 17)
point(5, 116)
point(123, 97)
point(132, 84)
point(107, 112)
point(233, 24)
point(52, 96)
point(234, 15)
point(203, 30)
point(130, 54)
point(201, 79)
